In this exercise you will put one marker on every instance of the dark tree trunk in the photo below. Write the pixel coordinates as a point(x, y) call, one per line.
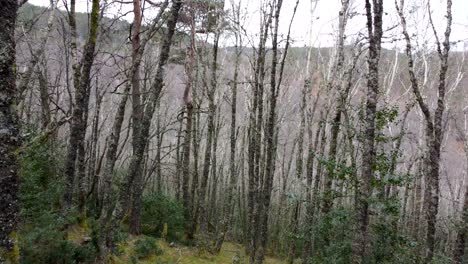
point(266, 187)
point(432, 191)
point(92, 170)
point(137, 116)
point(82, 84)
point(190, 132)
point(434, 126)
point(209, 140)
point(9, 134)
point(106, 187)
point(186, 197)
point(313, 190)
point(254, 146)
point(178, 179)
point(341, 102)
point(137, 158)
point(361, 241)
point(44, 97)
point(299, 172)
point(229, 201)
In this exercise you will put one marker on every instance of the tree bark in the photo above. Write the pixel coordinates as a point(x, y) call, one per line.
point(106, 185)
point(9, 135)
point(255, 136)
point(209, 140)
point(190, 132)
point(434, 126)
point(82, 84)
point(137, 157)
point(341, 102)
point(266, 187)
point(137, 116)
point(361, 241)
point(229, 201)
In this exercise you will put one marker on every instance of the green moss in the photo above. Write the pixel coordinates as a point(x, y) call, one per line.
point(184, 255)
point(12, 256)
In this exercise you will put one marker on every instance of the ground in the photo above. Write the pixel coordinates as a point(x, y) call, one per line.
point(173, 253)
point(189, 255)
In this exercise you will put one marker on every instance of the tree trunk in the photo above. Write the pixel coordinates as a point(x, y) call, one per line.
point(299, 173)
point(186, 197)
point(265, 193)
point(313, 190)
point(459, 249)
point(229, 201)
point(137, 158)
point(341, 102)
point(137, 115)
point(37, 54)
point(9, 135)
point(434, 128)
point(179, 160)
point(44, 97)
point(374, 27)
point(82, 84)
point(254, 146)
point(190, 132)
point(106, 187)
point(209, 140)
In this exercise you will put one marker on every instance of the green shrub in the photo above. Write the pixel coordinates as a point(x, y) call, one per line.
point(146, 247)
point(160, 210)
point(41, 187)
point(45, 242)
point(40, 233)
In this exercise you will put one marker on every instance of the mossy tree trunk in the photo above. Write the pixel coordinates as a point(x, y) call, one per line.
point(9, 134)
point(79, 116)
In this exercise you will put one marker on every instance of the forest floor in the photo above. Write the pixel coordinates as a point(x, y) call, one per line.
point(173, 253)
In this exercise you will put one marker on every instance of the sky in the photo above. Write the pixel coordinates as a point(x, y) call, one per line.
point(318, 28)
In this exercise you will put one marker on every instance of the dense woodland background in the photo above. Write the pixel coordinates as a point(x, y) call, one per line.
point(181, 137)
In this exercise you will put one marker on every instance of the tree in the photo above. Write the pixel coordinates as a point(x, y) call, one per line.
point(9, 135)
point(155, 90)
point(228, 209)
point(434, 124)
point(266, 176)
point(374, 14)
point(459, 248)
point(81, 82)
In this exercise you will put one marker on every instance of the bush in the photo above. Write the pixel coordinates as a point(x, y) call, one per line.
point(40, 234)
point(147, 246)
point(162, 216)
point(41, 188)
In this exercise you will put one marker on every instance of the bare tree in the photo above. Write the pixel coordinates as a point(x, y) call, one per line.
point(228, 209)
point(374, 14)
point(434, 124)
point(137, 157)
point(81, 81)
point(459, 249)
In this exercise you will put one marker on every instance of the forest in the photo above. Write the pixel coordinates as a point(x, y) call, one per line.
point(206, 131)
